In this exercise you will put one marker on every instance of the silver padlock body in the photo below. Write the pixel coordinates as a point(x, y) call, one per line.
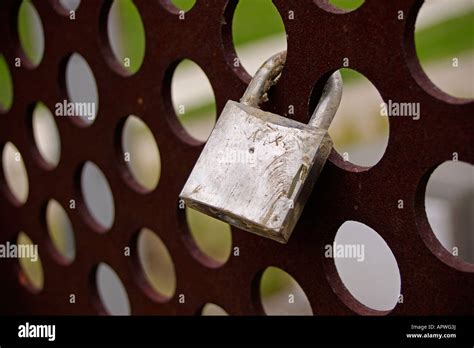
point(257, 170)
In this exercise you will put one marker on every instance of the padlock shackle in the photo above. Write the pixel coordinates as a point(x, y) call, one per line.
point(328, 103)
point(267, 75)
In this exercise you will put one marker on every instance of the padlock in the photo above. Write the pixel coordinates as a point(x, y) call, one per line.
point(257, 168)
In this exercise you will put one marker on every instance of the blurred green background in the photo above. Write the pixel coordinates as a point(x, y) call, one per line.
point(256, 22)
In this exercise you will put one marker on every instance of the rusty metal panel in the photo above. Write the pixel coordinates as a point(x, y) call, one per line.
point(379, 46)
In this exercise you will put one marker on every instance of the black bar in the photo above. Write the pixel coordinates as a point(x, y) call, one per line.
point(138, 330)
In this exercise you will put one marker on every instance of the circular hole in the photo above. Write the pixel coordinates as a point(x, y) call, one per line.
point(444, 45)
point(360, 129)
point(366, 266)
point(344, 5)
point(212, 237)
point(112, 293)
point(126, 36)
point(31, 274)
point(97, 196)
point(211, 309)
point(60, 232)
point(46, 135)
point(183, 5)
point(449, 202)
point(141, 153)
point(258, 33)
point(82, 91)
point(6, 86)
point(30, 32)
point(15, 175)
point(70, 5)
point(193, 100)
point(280, 294)
point(156, 264)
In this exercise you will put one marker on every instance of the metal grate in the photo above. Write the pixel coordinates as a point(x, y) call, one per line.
point(378, 45)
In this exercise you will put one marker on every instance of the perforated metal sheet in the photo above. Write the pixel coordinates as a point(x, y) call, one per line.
point(378, 45)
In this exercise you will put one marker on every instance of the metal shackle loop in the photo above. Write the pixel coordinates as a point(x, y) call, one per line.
point(328, 103)
point(268, 74)
point(265, 77)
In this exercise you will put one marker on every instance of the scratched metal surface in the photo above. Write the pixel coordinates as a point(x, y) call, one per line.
point(378, 45)
point(282, 167)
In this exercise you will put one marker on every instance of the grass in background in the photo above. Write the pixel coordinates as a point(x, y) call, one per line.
point(439, 41)
point(127, 34)
point(212, 236)
point(30, 32)
point(445, 39)
point(254, 20)
point(194, 117)
point(347, 4)
point(32, 270)
point(184, 5)
point(6, 85)
point(273, 281)
point(60, 230)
